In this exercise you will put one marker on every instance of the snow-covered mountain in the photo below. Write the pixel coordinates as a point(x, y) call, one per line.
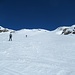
point(42, 52)
point(66, 30)
point(2, 29)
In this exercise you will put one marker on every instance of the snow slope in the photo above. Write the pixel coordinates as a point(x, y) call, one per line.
point(41, 53)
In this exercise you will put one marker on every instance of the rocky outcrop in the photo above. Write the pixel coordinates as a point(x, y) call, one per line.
point(4, 30)
point(66, 30)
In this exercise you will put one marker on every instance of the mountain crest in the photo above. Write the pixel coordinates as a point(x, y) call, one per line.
point(66, 30)
point(2, 29)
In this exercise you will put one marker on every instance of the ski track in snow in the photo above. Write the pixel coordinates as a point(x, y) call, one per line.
point(41, 53)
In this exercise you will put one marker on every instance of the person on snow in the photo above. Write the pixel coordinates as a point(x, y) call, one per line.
point(26, 35)
point(10, 37)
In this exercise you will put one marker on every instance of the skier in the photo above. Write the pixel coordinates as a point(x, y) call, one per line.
point(26, 35)
point(10, 37)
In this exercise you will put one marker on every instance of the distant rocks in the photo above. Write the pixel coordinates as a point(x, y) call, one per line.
point(6, 30)
point(66, 30)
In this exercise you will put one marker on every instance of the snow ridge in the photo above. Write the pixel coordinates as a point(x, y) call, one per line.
point(66, 30)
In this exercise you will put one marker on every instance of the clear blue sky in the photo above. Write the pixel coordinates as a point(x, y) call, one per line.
point(47, 14)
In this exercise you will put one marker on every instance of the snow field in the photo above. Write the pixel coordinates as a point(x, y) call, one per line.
point(41, 53)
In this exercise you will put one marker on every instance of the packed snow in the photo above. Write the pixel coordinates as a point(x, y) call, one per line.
point(42, 52)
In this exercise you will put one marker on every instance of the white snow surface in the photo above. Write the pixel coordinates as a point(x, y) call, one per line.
point(42, 52)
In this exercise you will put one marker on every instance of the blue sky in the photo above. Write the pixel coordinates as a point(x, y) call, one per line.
point(46, 14)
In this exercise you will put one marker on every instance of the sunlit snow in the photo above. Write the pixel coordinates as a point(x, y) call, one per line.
point(42, 52)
